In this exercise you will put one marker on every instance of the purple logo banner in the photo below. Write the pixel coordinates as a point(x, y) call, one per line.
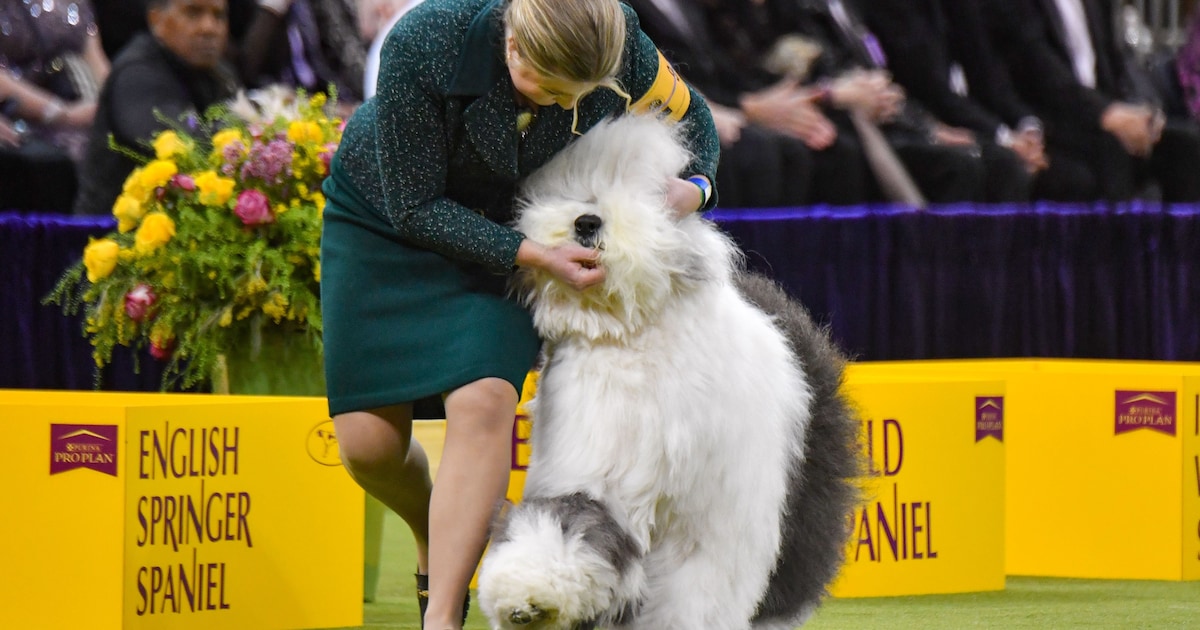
point(989, 417)
point(1139, 409)
point(83, 446)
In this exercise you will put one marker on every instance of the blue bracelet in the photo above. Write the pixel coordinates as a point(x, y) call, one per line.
point(705, 188)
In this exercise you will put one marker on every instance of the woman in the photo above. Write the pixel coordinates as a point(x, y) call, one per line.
point(473, 96)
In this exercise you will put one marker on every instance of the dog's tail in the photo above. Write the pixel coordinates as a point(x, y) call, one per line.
point(823, 488)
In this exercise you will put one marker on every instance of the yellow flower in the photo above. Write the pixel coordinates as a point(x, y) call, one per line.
point(226, 317)
point(134, 188)
point(214, 189)
point(128, 211)
point(276, 306)
point(318, 199)
point(100, 258)
point(317, 101)
point(301, 131)
point(168, 144)
point(317, 271)
point(157, 173)
point(157, 230)
point(226, 137)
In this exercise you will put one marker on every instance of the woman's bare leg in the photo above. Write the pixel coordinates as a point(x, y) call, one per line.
point(379, 453)
point(472, 480)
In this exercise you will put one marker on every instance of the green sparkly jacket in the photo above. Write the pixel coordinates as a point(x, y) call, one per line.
point(436, 156)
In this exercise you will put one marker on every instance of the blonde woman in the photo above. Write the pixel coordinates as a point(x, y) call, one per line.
point(473, 96)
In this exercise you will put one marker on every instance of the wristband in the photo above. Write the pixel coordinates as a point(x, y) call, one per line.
point(705, 187)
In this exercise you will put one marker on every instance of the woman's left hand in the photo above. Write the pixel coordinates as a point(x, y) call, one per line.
point(683, 197)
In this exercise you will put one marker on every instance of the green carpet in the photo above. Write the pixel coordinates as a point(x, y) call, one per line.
point(1033, 603)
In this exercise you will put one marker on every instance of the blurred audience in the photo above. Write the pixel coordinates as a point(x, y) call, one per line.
point(375, 20)
point(777, 147)
point(945, 162)
point(51, 63)
point(174, 69)
point(941, 52)
point(1187, 68)
point(309, 44)
point(1067, 62)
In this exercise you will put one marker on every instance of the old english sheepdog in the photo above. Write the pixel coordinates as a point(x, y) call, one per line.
point(693, 455)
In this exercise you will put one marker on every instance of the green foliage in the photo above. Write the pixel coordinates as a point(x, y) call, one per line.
point(218, 238)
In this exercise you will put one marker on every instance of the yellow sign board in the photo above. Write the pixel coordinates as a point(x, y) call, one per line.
point(1103, 464)
point(176, 511)
point(932, 520)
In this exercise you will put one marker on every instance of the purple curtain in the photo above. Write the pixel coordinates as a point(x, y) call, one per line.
point(958, 281)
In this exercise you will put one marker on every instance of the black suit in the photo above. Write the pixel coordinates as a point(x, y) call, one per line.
point(146, 78)
point(763, 168)
point(925, 39)
point(1035, 46)
point(944, 173)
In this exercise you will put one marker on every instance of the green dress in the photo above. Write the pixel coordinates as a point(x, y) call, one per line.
point(416, 248)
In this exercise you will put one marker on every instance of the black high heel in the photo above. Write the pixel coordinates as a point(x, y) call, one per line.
point(423, 599)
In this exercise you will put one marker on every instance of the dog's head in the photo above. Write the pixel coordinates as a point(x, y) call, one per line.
point(608, 191)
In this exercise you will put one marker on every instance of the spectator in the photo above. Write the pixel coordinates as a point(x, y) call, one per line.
point(309, 44)
point(173, 70)
point(371, 15)
point(1068, 64)
point(51, 62)
point(777, 147)
point(946, 162)
point(1187, 68)
point(941, 52)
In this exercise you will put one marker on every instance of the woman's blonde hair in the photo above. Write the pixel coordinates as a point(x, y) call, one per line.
point(580, 41)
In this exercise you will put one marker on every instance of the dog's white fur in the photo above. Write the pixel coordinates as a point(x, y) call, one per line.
point(666, 397)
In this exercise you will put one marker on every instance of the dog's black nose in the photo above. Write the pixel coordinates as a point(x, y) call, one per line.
point(586, 226)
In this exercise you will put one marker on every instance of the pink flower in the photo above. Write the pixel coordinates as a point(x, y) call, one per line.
point(184, 181)
point(253, 208)
point(162, 352)
point(138, 302)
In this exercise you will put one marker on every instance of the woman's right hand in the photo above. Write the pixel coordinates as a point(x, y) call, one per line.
point(571, 263)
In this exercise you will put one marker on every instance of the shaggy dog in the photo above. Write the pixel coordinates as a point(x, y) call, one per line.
point(693, 455)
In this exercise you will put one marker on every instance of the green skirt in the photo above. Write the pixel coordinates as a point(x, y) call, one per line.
point(405, 324)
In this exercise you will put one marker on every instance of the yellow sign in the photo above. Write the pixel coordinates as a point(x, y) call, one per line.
point(1103, 464)
point(932, 520)
point(176, 511)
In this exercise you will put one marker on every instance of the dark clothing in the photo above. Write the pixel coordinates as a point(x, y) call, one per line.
point(1034, 42)
point(119, 22)
point(147, 81)
point(764, 168)
point(315, 44)
point(747, 32)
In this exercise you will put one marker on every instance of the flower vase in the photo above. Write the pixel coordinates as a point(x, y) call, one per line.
point(285, 363)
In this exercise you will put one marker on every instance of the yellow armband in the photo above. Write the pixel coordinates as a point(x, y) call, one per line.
point(668, 94)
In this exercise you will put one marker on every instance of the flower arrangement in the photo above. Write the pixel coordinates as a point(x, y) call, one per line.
point(217, 239)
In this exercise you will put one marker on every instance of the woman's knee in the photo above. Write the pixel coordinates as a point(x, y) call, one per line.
point(372, 443)
point(489, 403)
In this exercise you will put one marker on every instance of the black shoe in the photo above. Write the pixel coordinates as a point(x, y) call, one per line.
point(423, 599)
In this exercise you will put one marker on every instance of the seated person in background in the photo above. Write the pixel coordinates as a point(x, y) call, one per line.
point(1187, 67)
point(945, 162)
point(777, 147)
point(941, 52)
point(1068, 63)
point(375, 20)
point(170, 71)
point(307, 44)
point(51, 63)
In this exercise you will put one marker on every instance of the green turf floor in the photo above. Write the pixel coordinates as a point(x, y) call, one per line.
point(1027, 603)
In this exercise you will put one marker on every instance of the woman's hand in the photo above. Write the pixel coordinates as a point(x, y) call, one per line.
point(683, 197)
point(571, 263)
